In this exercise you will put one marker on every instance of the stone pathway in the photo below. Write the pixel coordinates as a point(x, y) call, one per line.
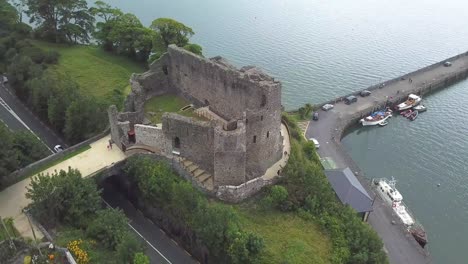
point(13, 200)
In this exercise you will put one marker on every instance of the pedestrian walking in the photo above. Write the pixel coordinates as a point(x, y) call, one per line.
point(110, 143)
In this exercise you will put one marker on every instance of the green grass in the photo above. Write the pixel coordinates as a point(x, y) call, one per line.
point(45, 166)
point(10, 228)
point(97, 72)
point(157, 106)
point(288, 238)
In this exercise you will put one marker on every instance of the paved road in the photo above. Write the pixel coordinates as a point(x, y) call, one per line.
point(18, 117)
point(399, 244)
point(160, 248)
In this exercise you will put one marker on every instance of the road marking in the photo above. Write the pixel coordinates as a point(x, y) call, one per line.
point(5, 105)
point(140, 235)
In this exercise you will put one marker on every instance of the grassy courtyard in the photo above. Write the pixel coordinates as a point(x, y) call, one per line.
point(97, 72)
point(288, 238)
point(157, 106)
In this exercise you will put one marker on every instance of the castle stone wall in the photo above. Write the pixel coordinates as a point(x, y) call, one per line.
point(196, 139)
point(228, 92)
point(230, 156)
point(150, 136)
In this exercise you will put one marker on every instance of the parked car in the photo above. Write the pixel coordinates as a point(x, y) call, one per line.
point(4, 79)
point(350, 99)
point(58, 148)
point(327, 107)
point(315, 116)
point(447, 64)
point(365, 93)
point(316, 143)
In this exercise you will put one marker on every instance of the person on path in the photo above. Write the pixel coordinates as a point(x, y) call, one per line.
point(110, 143)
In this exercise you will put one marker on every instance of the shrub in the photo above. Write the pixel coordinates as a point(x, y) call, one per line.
point(36, 54)
point(141, 258)
point(109, 227)
point(128, 247)
point(80, 255)
point(63, 197)
point(51, 57)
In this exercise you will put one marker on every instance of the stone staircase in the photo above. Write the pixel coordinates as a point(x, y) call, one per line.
point(205, 112)
point(203, 177)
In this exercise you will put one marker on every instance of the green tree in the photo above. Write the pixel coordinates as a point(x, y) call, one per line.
point(194, 48)
point(128, 36)
point(61, 20)
point(108, 17)
point(128, 247)
point(109, 227)
point(84, 117)
point(141, 258)
point(30, 149)
point(63, 197)
point(169, 31)
point(9, 160)
point(8, 16)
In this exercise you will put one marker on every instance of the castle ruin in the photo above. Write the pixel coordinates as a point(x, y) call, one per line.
point(237, 140)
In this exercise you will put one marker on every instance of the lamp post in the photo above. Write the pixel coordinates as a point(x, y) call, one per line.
point(25, 211)
point(12, 244)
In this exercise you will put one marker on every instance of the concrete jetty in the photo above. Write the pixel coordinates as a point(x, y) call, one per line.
point(399, 244)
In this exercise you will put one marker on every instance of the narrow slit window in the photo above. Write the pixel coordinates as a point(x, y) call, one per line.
point(255, 139)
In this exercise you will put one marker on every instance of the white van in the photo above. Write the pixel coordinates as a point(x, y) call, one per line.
point(316, 143)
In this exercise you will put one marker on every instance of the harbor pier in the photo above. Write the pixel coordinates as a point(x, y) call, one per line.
point(332, 125)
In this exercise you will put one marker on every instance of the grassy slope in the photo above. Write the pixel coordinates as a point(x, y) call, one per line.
point(288, 238)
point(96, 71)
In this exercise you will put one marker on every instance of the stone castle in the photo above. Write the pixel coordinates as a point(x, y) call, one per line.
point(240, 135)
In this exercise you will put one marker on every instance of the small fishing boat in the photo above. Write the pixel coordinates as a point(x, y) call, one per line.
point(412, 101)
point(406, 113)
point(376, 118)
point(383, 123)
point(420, 108)
point(413, 115)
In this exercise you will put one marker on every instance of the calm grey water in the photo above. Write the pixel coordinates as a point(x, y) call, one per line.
point(322, 49)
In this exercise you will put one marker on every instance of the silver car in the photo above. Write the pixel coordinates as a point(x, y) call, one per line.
point(327, 107)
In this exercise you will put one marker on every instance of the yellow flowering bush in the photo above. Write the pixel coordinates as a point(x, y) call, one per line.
point(81, 256)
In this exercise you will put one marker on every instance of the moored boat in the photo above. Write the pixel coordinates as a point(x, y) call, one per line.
point(420, 108)
point(412, 101)
point(390, 195)
point(383, 123)
point(376, 118)
point(413, 115)
point(406, 113)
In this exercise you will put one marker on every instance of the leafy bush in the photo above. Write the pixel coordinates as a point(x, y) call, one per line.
point(63, 197)
point(216, 225)
point(141, 258)
point(109, 227)
point(128, 247)
point(51, 57)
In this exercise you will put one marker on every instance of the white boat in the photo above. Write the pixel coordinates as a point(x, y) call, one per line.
point(376, 118)
point(420, 108)
point(412, 101)
point(383, 123)
point(387, 191)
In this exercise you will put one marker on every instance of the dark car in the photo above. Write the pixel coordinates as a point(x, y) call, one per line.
point(315, 116)
point(365, 93)
point(350, 99)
